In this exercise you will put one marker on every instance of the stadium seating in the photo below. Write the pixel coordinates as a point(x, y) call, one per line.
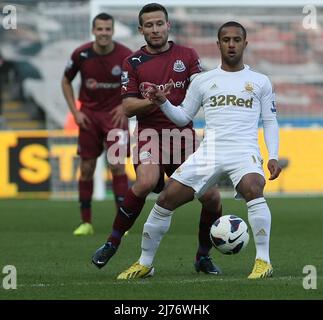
point(278, 46)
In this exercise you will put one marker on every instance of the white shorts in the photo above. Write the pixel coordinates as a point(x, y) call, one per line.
point(203, 170)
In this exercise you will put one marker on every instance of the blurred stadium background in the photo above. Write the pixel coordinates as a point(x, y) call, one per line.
point(37, 143)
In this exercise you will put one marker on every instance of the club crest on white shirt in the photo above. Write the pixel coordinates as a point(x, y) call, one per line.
point(179, 66)
point(249, 88)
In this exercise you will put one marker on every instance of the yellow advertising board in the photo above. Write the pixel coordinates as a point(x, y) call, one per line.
point(303, 148)
point(31, 160)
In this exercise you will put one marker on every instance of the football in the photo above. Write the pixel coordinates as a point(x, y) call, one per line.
point(229, 234)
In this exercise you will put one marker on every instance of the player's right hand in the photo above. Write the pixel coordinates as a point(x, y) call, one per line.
point(274, 169)
point(145, 88)
point(82, 120)
point(118, 118)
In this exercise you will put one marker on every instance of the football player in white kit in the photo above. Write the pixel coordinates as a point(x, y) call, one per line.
point(234, 98)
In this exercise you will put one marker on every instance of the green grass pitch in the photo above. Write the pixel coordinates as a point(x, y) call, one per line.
point(36, 237)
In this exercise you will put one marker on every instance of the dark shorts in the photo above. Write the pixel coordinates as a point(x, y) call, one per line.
point(101, 135)
point(169, 154)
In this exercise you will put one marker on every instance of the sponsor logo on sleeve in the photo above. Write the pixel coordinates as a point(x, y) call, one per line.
point(273, 108)
point(124, 80)
point(69, 64)
point(199, 65)
point(84, 54)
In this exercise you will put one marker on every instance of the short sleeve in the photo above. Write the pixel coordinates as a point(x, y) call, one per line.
point(129, 81)
point(195, 63)
point(72, 66)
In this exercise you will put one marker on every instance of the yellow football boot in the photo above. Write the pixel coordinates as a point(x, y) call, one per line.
point(84, 229)
point(261, 269)
point(136, 271)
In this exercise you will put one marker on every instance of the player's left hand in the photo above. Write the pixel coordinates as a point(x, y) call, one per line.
point(119, 120)
point(274, 169)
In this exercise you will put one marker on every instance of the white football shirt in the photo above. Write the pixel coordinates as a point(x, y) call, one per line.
point(233, 103)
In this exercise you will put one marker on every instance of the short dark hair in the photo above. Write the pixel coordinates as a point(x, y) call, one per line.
point(102, 16)
point(233, 24)
point(152, 7)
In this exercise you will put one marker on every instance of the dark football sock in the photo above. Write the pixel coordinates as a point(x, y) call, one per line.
point(85, 198)
point(126, 217)
point(120, 188)
point(206, 220)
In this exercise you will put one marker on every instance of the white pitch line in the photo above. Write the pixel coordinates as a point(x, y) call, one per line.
point(147, 282)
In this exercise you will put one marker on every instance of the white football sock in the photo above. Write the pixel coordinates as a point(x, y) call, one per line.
point(259, 218)
point(157, 224)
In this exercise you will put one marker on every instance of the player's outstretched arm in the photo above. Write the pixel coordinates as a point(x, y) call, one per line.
point(177, 114)
point(133, 106)
point(181, 115)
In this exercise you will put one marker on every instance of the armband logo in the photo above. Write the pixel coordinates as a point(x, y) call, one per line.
point(69, 64)
point(124, 80)
point(273, 108)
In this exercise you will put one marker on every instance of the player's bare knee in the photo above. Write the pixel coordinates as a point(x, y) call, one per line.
point(144, 187)
point(168, 200)
point(174, 195)
point(253, 192)
point(215, 197)
point(211, 198)
point(164, 200)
